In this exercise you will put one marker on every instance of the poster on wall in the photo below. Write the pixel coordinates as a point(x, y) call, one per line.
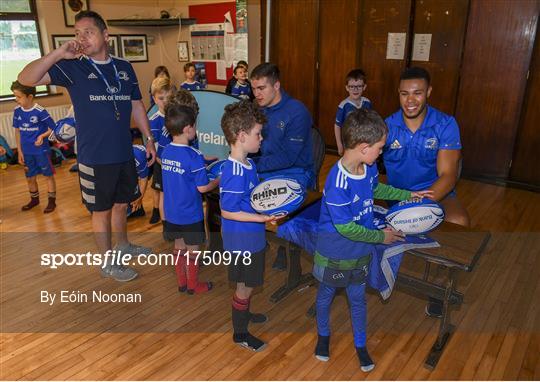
point(207, 42)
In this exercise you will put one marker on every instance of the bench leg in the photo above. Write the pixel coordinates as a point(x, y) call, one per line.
point(295, 278)
point(445, 327)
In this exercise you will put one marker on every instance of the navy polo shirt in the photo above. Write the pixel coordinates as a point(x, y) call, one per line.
point(411, 158)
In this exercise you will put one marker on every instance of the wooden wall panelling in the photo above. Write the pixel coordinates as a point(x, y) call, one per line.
point(498, 48)
point(526, 163)
point(377, 19)
point(446, 20)
point(293, 47)
point(338, 42)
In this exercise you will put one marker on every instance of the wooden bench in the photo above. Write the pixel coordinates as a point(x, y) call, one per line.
point(460, 248)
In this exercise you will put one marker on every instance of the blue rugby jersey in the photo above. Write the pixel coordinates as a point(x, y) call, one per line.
point(346, 106)
point(235, 186)
point(101, 138)
point(183, 170)
point(346, 198)
point(141, 163)
point(192, 86)
point(411, 158)
point(32, 123)
point(287, 136)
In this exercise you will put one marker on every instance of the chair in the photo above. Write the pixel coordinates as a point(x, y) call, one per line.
point(319, 151)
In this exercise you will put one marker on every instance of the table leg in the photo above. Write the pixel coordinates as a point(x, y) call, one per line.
point(295, 278)
point(445, 327)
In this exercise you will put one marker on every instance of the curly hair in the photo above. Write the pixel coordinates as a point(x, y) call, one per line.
point(240, 116)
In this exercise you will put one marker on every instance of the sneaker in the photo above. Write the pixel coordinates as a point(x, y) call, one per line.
point(434, 308)
point(280, 262)
point(74, 168)
point(140, 212)
point(257, 318)
point(249, 341)
point(322, 350)
point(133, 249)
point(366, 363)
point(119, 272)
point(3, 165)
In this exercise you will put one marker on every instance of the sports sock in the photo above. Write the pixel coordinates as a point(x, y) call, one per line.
point(180, 268)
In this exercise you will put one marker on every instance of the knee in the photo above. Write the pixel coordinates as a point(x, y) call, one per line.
point(120, 207)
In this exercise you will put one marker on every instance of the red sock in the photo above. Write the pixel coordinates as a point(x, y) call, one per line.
point(193, 283)
point(180, 268)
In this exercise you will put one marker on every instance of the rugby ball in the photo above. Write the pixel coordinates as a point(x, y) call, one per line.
point(214, 169)
point(277, 196)
point(415, 216)
point(64, 131)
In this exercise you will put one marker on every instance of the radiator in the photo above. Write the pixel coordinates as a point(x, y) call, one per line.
point(6, 122)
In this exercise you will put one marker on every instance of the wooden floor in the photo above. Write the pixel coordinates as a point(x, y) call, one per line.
point(172, 336)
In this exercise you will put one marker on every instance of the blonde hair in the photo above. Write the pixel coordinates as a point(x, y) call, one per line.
point(160, 84)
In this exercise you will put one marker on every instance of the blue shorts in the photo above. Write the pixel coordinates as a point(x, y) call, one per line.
point(38, 164)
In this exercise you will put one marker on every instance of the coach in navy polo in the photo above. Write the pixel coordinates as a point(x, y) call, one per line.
point(105, 94)
point(423, 151)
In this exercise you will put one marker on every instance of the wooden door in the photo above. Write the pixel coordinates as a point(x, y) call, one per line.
point(497, 53)
point(377, 19)
point(526, 163)
point(338, 42)
point(293, 47)
point(446, 21)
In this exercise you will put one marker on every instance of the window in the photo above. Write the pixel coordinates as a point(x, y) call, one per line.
point(20, 41)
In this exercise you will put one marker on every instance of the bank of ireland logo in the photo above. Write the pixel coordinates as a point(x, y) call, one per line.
point(33, 119)
point(112, 90)
point(123, 75)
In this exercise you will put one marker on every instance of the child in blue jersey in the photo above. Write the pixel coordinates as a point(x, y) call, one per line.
point(135, 208)
point(33, 125)
point(159, 71)
point(181, 97)
point(355, 84)
point(184, 179)
point(161, 90)
point(242, 86)
point(232, 80)
point(190, 83)
point(347, 234)
point(242, 228)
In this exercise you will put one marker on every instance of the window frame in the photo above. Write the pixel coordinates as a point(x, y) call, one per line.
point(27, 16)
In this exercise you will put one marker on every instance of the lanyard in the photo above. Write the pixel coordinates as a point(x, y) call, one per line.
point(109, 88)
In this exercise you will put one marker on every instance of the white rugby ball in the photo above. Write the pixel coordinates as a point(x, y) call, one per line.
point(415, 216)
point(277, 196)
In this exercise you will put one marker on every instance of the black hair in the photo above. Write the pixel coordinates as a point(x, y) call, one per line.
point(98, 20)
point(268, 70)
point(26, 90)
point(177, 117)
point(415, 72)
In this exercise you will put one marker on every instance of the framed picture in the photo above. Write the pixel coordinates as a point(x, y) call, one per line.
point(183, 50)
point(71, 8)
point(133, 47)
point(113, 45)
point(59, 39)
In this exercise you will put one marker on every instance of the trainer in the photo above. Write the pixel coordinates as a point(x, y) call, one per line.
point(286, 149)
point(105, 94)
point(423, 151)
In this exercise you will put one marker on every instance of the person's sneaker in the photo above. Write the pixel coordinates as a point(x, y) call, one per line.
point(135, 214)
point(280, 262)
point(119, 272)
point(31, 204)
point(74, 168)
point(366, 363)
point(3, 165)
point(322, 350)
point(257, 318)
point(155, 216)
point(434, 308)
point(133, 249)
point(249, 341)
point(202, 287)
